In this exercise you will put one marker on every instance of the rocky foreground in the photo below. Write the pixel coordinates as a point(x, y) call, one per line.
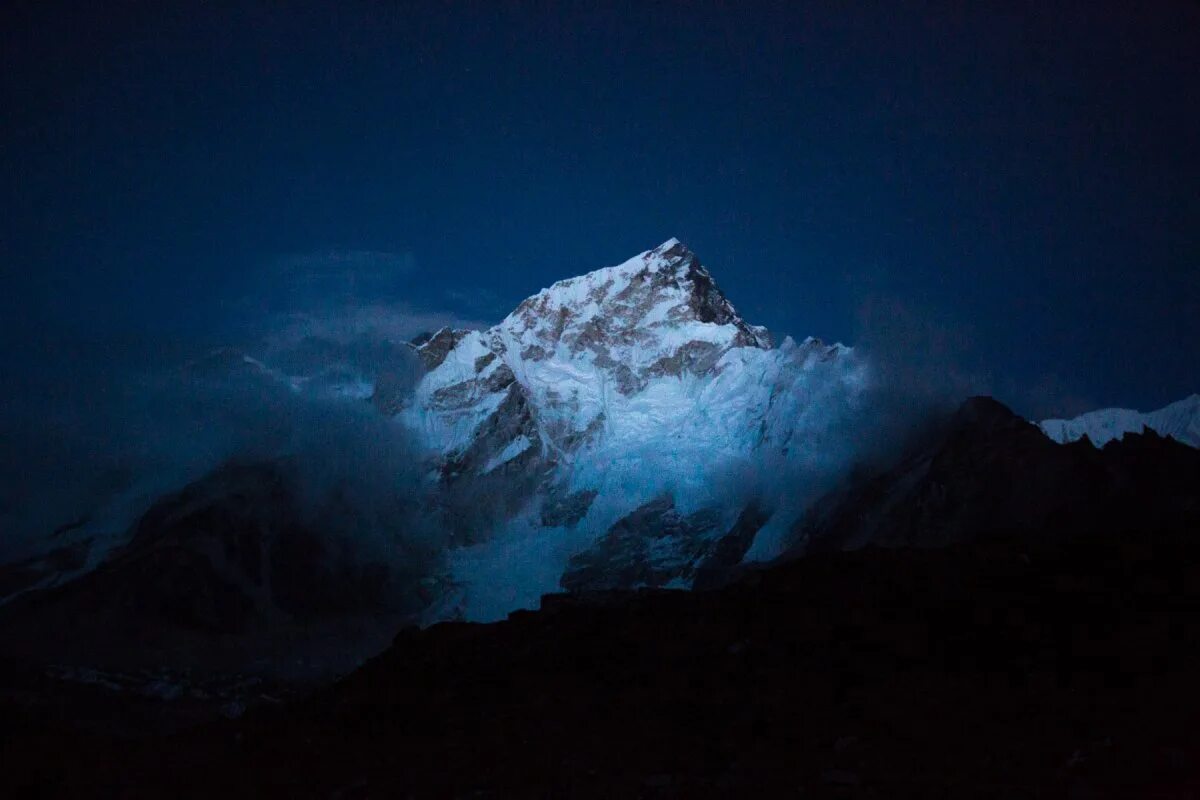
point(995, 616)
point(1001, 668)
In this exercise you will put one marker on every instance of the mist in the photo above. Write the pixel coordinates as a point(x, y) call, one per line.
point(916, 368)
point(100, 421)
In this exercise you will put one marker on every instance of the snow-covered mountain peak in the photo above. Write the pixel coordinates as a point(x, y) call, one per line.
point(635, 315)
point(433, 349)
point(611, 353)
point(629, 394)
point(572, 349)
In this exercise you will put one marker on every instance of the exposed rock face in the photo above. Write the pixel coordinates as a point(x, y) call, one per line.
point(433, 351)
point(656, 546)
point(724, 556)
point(653, 545)
point(611, 311)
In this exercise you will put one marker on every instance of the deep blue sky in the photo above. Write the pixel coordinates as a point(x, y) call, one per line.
point(1025, 177)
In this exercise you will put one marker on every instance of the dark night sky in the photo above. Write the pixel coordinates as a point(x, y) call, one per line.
point(1027, 177)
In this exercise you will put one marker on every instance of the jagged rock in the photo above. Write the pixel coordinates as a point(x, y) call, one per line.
point(434, 350)
point(483, 361)
point(650, 547)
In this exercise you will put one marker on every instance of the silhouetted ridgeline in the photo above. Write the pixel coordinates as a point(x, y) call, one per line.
point(1055, 658)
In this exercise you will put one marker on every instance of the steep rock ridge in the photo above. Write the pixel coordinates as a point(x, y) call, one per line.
point(990, 473)
point(1180, 421)
point(602, 394)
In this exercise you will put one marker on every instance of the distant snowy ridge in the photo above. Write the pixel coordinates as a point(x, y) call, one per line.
point(1180, 421)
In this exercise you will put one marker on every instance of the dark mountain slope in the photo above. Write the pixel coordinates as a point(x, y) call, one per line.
point(997, 669)
point(229, 574)
point(1057, 658)
point(986, 471)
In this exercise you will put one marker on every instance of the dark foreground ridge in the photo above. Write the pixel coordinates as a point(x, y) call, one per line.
point(995, 669)
point(1048, 648)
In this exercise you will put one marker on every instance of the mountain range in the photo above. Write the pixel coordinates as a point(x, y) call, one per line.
point(1179, 420)
point(622, 430)
point(621, 543)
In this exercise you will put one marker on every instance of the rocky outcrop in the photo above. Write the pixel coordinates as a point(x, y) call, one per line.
point(656, 545)
point(651, 546)
point(433, 351)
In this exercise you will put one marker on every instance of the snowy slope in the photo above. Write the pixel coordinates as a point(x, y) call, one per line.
point(632, 387)
point(1180, 420)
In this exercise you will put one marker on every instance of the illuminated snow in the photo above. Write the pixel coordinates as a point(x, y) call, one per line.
point(743, 405)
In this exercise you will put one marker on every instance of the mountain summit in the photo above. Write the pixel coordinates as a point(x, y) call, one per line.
point(633, 390)
point(662, 294)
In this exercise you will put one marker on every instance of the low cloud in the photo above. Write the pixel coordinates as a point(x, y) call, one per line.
point(96, 428)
